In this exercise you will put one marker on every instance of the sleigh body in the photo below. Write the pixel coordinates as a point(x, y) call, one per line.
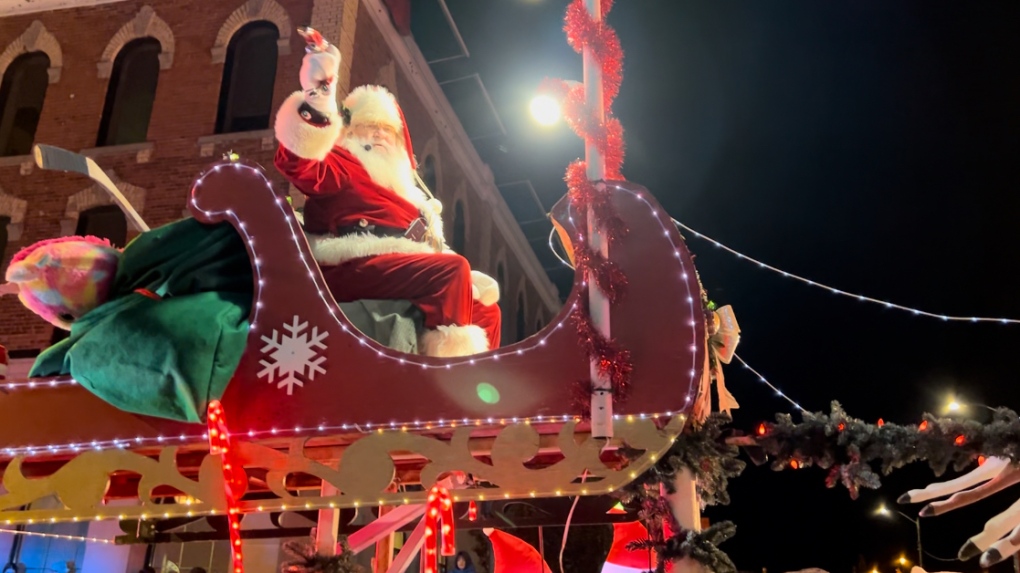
point(323, 416)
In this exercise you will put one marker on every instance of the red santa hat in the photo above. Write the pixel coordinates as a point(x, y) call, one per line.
point(514, 555)
point(623, 560)
point(375, 104)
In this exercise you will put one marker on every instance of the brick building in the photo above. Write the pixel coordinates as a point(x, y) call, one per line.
point(156, 90)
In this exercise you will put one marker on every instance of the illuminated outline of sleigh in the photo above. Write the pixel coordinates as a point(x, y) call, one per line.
point(367, 415)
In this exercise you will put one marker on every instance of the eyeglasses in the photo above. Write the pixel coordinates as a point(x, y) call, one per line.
point(371, 128)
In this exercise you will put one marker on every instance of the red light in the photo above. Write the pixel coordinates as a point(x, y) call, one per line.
point(841, 426)
point(923, 426)
point(881, 422)
point(794, 464)
point(960, 440)
point(472, 511)
point(981, 460)
point(762, 429)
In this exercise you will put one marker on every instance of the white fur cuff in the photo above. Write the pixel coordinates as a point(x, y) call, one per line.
point(453, 341)
point(484, 288)
point(331, 250)
point(300, 137)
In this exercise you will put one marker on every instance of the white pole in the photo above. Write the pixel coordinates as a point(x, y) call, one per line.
point(327, 529)
point(598, 304)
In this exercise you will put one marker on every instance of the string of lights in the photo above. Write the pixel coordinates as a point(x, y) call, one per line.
point(322, 429)
point(762, 379)
point(765, 381)
point(56, 536)
point(833, 290)
point(42, 383)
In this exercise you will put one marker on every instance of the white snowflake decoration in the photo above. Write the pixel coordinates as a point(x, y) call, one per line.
point(291, 354)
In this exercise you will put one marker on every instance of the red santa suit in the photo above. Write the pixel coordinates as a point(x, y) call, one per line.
point(363, 209)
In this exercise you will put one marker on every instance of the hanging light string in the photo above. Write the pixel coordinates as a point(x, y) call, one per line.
point(762, 379)
point(56, 536)
point(809, 282)
point(765, 381)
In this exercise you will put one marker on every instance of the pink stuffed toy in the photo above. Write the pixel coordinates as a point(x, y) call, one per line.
point(63, 279)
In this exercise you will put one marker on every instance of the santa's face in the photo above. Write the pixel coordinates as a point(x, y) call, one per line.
point(380, 136)
point(380, 150)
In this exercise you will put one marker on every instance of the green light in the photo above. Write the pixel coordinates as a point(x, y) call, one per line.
point(487, 393)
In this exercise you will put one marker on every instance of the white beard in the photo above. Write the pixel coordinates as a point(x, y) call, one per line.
point(391, 169)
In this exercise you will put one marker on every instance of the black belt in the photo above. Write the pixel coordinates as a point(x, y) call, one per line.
point(365, 229)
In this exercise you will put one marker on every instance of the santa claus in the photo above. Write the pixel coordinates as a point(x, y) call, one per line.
point(374, 232)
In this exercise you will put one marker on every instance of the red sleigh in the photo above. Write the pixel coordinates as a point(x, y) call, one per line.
point(316, 405)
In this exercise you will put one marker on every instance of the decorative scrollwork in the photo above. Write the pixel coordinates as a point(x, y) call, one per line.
point(362, 477)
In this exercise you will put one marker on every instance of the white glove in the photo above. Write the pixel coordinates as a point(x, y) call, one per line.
point(319, 74)
point(484, 288)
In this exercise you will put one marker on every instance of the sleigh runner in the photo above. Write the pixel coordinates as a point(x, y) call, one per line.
point(315, 403)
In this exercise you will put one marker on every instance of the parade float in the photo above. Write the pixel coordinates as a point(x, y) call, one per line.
point(219, 380)
point(316, 415)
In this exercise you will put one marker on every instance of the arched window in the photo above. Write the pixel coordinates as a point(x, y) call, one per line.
point(459, 228)
point(130, 93)
point(105, 222)
point(427, 169)
point(249, 72)
point(21, 100)
point(4, 221)
point(520, 322)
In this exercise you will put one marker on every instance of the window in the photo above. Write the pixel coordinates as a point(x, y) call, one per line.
point(428, 173)
point(521, 326)
point(4, 221)
point(21, 100)
point(459, 228)
point(105, 222)
point(130, 93)
point(43, 553)
point(246, 92)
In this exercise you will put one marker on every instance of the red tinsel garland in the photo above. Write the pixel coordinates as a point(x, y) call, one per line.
point(606, 134)
point(582, 31)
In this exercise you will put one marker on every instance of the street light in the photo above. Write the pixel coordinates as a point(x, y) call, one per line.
point(955, 406)
point(545, 109)
point(885, 512)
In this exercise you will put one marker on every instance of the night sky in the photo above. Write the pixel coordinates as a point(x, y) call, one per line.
point(869, 145)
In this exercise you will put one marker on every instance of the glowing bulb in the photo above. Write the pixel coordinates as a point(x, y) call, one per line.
point(545, 110)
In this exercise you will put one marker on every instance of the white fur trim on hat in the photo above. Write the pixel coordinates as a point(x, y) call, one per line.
point(374, 104)
point(453, 341)
point(300, 137)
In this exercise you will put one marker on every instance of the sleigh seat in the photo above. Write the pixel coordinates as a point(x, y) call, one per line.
point(323, 416)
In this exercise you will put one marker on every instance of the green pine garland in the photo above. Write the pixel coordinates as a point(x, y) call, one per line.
point(704, 452)
point(308, 560)
point(702, 547)
point(712, 462)
point(848, 447)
